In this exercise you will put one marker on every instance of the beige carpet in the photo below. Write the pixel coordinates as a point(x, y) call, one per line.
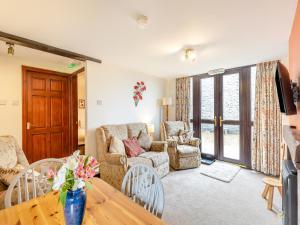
point(194, 199)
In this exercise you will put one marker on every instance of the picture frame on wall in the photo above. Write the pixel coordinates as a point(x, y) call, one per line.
point(81, 103)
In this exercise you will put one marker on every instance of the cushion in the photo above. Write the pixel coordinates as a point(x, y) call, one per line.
point(8, 153)
point(132, 147)
point(185, 136)
point(157, 158)
point(134, 129)
point(173, 127)
point(7, 175)
point(145, 140)
point(187, 151)
point(116, 146)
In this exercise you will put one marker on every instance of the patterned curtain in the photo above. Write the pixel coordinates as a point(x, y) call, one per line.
point(267, 122)
point(183, 99)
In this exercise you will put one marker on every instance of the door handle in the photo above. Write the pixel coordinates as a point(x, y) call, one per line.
point(28, 125)
point(221, 121)
point(215, 121)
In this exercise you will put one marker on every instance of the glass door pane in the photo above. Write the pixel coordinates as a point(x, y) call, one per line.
point(231, 136)
point(208, 138)
point(207, 100)
point(230, 116)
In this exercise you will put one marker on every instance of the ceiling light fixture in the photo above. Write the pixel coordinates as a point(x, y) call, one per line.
point(190, 55)
point(142, 21)
point(10, 49)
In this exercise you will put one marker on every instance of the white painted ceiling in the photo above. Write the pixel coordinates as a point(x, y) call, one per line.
point(225, 33)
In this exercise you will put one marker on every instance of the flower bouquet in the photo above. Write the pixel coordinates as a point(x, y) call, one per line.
point(139, 88)
point(70, 181)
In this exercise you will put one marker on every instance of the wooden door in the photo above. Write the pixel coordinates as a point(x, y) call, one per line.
point(46, 119)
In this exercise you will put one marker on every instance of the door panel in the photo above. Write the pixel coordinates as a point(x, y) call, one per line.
point(56, 144)
point(229, 117)
point(46, 121)
point(207, 116)
point(208, 138)
point(231, 94)
point(37, 148)
point(38, 116)
point(56, 109)
point(231, 142)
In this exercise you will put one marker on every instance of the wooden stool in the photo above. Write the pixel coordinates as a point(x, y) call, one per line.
point(272, 182)
point(268, 192)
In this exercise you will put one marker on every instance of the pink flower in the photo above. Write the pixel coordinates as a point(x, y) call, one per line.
point(79, 172)
point(51, 173)
point(142, 83)
point(90, 172)
point(93, 162)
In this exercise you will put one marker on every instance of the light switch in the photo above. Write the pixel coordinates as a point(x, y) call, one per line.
point(99, 102)
point(3, 102)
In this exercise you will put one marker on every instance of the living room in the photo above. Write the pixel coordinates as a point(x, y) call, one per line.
point(187, 90)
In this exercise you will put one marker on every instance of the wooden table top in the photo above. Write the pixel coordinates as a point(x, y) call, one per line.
point(105, 206)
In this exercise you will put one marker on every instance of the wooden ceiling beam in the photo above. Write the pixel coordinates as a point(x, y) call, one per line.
point(45, 48)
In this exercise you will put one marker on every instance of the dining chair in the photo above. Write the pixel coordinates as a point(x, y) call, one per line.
point(143, 186)
point(31, 182)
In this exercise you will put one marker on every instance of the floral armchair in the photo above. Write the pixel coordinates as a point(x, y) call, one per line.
point(184, 152)
point(12, 161)
point(113, 166)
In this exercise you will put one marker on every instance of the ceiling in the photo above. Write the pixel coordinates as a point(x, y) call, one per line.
point(224, 33)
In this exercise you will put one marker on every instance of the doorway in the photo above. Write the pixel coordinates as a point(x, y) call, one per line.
point(50, 112)
point(222, 114)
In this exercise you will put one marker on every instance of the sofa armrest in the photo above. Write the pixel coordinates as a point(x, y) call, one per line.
point(172, 143)
point(115, 159)
point(194, 142)
point(159, 146)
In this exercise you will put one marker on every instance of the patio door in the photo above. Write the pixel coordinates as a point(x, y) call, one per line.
point(222, 114)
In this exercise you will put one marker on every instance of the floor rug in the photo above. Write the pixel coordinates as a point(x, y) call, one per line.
point(220, 170)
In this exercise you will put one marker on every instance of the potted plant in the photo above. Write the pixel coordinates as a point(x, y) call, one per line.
point(70, 181)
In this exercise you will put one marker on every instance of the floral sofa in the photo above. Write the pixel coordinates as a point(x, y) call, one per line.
point(113, 166)
point(182, 155)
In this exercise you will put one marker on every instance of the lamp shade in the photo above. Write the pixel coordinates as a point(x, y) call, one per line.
point(167, 101)
point(150, 128)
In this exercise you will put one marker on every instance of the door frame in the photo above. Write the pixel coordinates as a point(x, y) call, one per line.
point(245, 112)
point(25, 69)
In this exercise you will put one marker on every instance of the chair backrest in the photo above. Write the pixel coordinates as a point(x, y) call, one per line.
point(172, 128)
point(31, 182)
point(121, 131)
point(144, 187)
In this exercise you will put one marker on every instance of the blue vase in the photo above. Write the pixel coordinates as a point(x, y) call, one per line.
point(75, 207)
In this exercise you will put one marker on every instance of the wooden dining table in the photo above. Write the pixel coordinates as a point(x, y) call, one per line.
point(105, 205)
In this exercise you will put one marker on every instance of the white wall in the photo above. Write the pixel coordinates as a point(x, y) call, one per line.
point(11, 90)
point(171, 92)
point(114, 87)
